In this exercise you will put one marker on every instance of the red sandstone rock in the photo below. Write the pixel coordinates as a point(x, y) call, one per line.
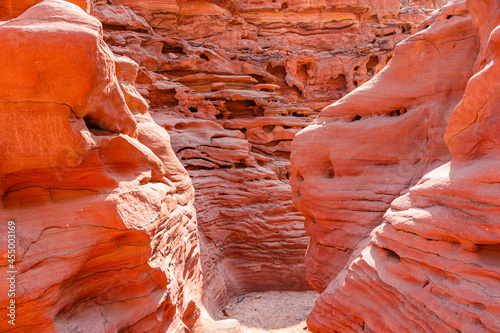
point(233, 93)
point(342, 183)
point(10, 9)
point(69, 81)
point(105, 223)
point(431, 265)
point(233, 82)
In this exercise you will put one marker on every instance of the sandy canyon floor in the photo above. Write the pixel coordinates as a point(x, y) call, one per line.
point(273, 311)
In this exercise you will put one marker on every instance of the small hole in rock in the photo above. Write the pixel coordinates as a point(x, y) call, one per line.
point(393, 255)
point(193, 109)
point(268, 128)
point(331, 173)
point(372, 62)
point(300, 178)
point(194, 168)
point(406, 28)
point(396, 113)
point(93, 126)
point(479, 306)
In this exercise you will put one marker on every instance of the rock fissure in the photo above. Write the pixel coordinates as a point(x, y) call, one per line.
point(220, 93)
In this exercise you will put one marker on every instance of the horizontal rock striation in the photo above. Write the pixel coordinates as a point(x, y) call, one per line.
point(366, 149)
point(10, 9)
point(431, 266)
point(233, 82)
point(106, 235)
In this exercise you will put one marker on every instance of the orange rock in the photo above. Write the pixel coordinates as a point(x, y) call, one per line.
point(44, 73)
point(341, 183)
point(10, 9)
point(119, 17)
point(431, 265)
point(232, 88)
point(105, 224)
point(233, 82)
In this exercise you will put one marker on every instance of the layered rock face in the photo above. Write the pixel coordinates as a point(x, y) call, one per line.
point(233, 82)
point(431, 265)
point(106, 236)
point(85, 163)
point(366, 149)
point(10, 9)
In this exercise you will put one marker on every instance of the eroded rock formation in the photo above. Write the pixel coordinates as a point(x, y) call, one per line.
point(233, 82)
point(102, 203)
point(103, 210)
point(431, 265)
point(363, 151)
point(10, 9)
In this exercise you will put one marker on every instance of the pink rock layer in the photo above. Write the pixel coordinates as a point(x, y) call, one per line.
point(431, 265)
point(369, 147)
point(233, 82)
point(84, 163)
point(106, 236)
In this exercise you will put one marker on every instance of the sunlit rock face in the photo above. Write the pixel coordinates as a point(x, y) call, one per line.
point(10, 9)
point(430, 262)
point(103, 210)
point(233, 82)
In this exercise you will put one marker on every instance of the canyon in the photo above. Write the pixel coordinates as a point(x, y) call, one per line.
point(232, 83)
point(162, 158)
point(407, 240)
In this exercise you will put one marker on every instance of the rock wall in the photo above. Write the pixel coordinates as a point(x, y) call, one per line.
point(233, 82)
point(84, 161)
point(106, 235)
point(431, 264)
point(10, 9)
point(369, 147)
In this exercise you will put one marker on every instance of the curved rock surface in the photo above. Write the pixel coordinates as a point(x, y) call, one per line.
point(10, 9)
point(431, 266)
point(366, 149)
point(233, 82)
point(86, 163)
point(103, 210)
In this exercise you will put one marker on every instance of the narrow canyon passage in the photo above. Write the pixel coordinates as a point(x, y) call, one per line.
point(242, 166)
point(232, 91)
point(271, 311)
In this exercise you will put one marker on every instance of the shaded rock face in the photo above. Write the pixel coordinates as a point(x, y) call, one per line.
point(431, 265)
point(233, 82)
point(103, 210)
point(371, 146)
